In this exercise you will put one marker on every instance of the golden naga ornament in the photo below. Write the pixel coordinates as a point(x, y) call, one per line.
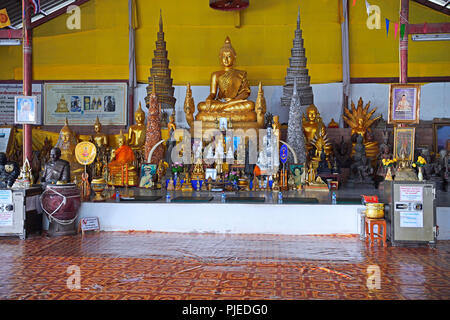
point(360, 120)
point(189, 106)
point(228, 96)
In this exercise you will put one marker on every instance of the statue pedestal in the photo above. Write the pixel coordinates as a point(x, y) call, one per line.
point(56, 229)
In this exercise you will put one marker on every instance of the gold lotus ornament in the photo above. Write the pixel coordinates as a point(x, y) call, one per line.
point(98, 186)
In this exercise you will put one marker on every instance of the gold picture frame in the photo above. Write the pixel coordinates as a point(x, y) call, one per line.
point(440, 125)
point(404, 139)
point(404, 103)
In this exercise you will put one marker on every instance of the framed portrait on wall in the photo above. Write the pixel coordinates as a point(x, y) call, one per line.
point(148, 171)
point(404, 143)
point(441, 135)
point(25, 110)
point(404, 103)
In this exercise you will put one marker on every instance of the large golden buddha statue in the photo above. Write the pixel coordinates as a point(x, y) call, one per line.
point(67, 142)
point(314, 130)
point(228, 95)
point(359, 119)
point(100, 139)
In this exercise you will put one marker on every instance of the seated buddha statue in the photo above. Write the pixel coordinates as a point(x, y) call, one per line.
point(314, 129)
point(101, 143)
point(121, 168)
point(228, 95)
point(136, 136)
point(67, 142)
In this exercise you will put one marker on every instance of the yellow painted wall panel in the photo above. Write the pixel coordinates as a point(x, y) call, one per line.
point(194, 34)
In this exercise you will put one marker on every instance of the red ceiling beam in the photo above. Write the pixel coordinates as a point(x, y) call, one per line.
point(10, 34)
point(423, 28)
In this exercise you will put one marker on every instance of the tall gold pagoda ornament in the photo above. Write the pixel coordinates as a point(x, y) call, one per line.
point(160, 74)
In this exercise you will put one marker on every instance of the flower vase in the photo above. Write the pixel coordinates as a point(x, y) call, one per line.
point(420, 174)
point(388, 174)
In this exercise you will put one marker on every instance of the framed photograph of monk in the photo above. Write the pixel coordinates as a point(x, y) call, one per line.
point(404, 103)
point(404, 143)
point(25, 110)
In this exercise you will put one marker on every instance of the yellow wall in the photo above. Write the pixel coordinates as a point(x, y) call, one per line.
point(194, 34)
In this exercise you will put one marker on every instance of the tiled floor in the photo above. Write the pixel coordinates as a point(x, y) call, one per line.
point(140, 265)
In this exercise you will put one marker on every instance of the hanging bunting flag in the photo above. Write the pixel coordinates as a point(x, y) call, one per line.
point(387, 27)
point(4, 18)
point(36, 4)
point(395, 29)
point(402, 30)
point(367, 8)
point(354, 2)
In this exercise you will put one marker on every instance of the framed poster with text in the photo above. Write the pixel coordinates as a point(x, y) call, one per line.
point(82, 102)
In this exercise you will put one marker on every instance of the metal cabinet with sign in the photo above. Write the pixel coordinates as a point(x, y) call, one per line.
point(411, 212)
point(20, 213)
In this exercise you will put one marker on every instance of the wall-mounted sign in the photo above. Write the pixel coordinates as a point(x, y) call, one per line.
point(82, 102)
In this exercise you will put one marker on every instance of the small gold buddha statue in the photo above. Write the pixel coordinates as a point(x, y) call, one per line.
point(276, 125)
point(198, 173)
point(313, 126)
point(187, 186)
point(171, 126)
point(100, 139)
point(228, 95)
point(67, 142)
point(136, 132)
point(121, 168)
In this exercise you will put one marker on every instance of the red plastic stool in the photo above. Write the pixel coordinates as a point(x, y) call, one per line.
point(371, 236)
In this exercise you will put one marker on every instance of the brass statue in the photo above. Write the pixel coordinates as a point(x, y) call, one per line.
point(67, 142)
point(100, 139)
point(136, 136)
point(189, 106)
point(228, 96)
point(56, 169)
point(359, 119)
point(101, 143)
point(136, 132)
point(313, 127)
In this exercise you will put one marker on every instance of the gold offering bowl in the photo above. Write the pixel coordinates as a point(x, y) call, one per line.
point(98, 186)
point(375, 210)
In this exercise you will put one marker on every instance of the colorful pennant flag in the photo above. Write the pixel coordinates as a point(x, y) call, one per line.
point(354, 2)
point(395, 29)
point(387, 27)
point(402, 30)
point(367, 8)
point(36, 4)
point(4, 18)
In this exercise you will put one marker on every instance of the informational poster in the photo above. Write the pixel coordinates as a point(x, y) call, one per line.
point(6, 218)
point(5, 196)
point(82, 102)
point(5, 133)
point(411, 193)
point(7, 93)
point(411, 219)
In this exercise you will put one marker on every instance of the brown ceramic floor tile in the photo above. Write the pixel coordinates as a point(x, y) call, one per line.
point(174, 266)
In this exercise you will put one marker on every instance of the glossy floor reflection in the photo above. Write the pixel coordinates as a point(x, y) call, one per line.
point(146, 265)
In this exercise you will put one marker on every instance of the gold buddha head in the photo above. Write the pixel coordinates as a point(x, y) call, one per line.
point(312, 112)
point(171, 118)
point(139, 116)
point(97, 125)
point(65, 132)
point(227, 54)
point(121, 139)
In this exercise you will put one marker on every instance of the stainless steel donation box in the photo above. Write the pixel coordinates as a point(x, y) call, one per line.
point(20, 213)
point(411, 212)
